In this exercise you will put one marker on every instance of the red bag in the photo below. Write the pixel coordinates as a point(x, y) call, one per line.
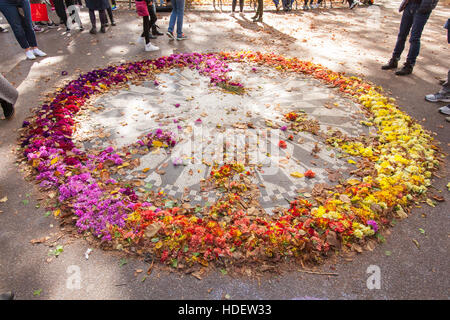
point(142, 9)
point(38, 12)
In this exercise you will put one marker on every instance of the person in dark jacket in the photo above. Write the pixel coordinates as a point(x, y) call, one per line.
point(8, 97)
point(259, 12)
point(415, 16)
point(100, 6)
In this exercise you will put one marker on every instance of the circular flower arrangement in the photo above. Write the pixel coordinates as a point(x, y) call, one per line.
point(394, 168)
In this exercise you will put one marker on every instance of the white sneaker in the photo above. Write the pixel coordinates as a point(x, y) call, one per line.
point(39, 53)
point(141, 40)
point(150, 47)
point(30, 55)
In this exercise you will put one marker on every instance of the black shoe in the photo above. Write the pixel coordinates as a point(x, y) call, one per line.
point(106, 24)
point(152, 36)
point(8, 110)
point(113, 24)
point(7, 296)
point(155, 31)
point(407, 69)
point(392, 64)
point(103, 29)
point(93, 31)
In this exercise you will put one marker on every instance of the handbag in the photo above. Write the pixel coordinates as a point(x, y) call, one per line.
point(38, 12)
point(142, 9)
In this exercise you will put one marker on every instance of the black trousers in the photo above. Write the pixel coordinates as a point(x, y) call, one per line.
point(241, 5)
point(102, 15)
point(149, 22)
point(60, 10)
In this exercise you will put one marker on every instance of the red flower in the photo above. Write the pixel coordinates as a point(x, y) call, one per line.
point(310, 174)
point(282, 144)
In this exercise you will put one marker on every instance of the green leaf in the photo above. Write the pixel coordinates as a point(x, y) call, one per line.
point(148, 186)
point(198, 209)
point(123, 262)
point(174, 263)
point(421, 231)
point(223, 271)
point(169, 204)
point(57, 251)
point(47, 213)
point(25, 202)
point(196, 254)
point(37, 292)
point(388, 253)
point(155, 239)
point(185, 249)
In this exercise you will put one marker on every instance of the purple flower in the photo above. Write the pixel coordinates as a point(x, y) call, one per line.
point(373, 224)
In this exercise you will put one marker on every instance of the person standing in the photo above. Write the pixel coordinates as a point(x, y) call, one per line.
point(144, 9)
point(18, 15)
point(100, 6)
point(259, 12)
point(8, 97)
point(60, 10)
point(415, 16)
point(176, 16)
point(444, 94)
point(233, 6)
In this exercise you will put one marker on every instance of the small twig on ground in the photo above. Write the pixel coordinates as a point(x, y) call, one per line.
point(321, 273)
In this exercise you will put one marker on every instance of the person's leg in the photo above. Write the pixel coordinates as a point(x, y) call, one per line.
point(180, 16)
point(241, 5)
point(12, 16)
point(110, 15)
point(173, 16)
point(61, 11)
point(146, 26)
point(28, 25)
point(233, 5)
point(418, 24)
point(155, 28)
point(103, 20)
point(405, 27)
point(93, 21)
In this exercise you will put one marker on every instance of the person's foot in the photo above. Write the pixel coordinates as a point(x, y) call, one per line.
point(37, 29)
point(392, 64)
point(405, 70)
point(438, 97)
point(3, 30)
point(114, 7)
point(8, 111)
point(52, 25)
point(103, 29)
point(445, 110)
point(39, 53)
point(113, 24)
point(170, 35)
point(182, 37)
point(151, 47)
point(81, 28)
point(93, 31)
point(258, 20)
point(151, 36)
point(447, 119)
point(354, 4)
point(155, 31)
point(7, 295)
point(30, 55)
point(106, 24)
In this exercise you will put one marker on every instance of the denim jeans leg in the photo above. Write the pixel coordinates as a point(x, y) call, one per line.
point(28, 24)
point(405, 27)
point(180, 15)
point(173, 16)
point(12, 16)
point(419, 22)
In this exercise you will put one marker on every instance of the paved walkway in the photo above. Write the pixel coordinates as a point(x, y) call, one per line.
point(340, 39)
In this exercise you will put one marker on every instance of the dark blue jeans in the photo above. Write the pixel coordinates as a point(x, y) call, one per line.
point(21, 26)
point(413, 21)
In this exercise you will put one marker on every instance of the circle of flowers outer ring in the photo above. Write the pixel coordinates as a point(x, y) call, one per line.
point(402, 157)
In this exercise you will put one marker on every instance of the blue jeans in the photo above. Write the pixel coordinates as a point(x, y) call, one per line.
point(413, 21)
point(176, 16)
point(21, 26)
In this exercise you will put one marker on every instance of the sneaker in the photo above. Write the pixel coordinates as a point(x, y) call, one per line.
point(3, 30)
point(182, 37)
point(93, 31)
point(114, 7)
point(150, 47)
point(170, 35)
point(438, 97)
point(445, 110)
point(39, 53)
point(37, 29)
point(52, 25)
point(30, 55)
point(305, 7)
point(103, 29)
point(354, 4)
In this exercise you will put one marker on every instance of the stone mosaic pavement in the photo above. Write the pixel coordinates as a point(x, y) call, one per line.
point(223, 134)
